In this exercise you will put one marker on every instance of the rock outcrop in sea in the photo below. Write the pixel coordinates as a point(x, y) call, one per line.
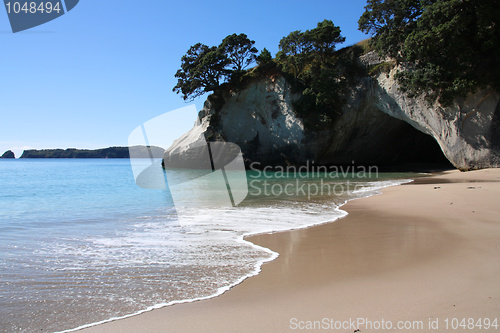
point(378, 125)
point(8, 154)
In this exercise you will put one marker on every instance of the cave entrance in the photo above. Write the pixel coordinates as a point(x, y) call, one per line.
point(412, 150)
point(378, 139)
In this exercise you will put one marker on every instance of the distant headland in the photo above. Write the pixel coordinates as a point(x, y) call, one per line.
point(110, 152)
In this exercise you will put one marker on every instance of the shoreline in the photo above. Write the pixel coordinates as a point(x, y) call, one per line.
point(257, 269)
point(354, 259)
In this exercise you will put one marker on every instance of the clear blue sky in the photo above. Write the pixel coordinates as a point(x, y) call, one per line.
point(88, 78)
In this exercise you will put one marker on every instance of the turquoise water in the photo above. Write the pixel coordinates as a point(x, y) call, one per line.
point(80, 243)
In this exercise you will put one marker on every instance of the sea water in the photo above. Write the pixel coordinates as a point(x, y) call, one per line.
point(80, 243)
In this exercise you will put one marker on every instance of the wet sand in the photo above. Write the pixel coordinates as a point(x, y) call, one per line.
point(419, 253)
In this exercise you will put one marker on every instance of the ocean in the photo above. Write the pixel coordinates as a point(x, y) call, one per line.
point(81, 243)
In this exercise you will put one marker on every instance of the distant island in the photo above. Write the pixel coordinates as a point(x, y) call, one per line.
point(111, 152)
point(8, 154)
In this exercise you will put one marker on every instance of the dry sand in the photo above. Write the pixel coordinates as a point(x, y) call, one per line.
point(419, 253)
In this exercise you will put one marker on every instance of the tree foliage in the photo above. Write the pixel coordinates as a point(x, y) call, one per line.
point(239, 50)
point(324, 39)
point(264, 57)
point(299, 49)
point(451, 47)
point(390, 21)
point(204, 68)
point(310, 58)
point(294, 52)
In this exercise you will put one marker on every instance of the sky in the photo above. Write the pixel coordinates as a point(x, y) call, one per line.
point(89, 77)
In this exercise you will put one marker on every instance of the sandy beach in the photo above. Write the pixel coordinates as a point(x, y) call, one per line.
point(420, 257)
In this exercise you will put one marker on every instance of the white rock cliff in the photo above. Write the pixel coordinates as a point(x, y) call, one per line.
point(468, 132)
point(374, 127)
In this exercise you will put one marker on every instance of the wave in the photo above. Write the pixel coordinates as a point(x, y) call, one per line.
point(232, 226)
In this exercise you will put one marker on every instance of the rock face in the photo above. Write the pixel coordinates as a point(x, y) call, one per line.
point(260, 119)
point(366, 135)
point(378, 125)
point(8, 154)
point(468, 132)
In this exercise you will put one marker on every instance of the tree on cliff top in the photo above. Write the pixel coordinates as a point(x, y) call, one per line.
point(204, 68)
point(239, 50)
point(294, 52)
point(311, 58)
point(300, 49)
point(451, 46)
point(390, 21)
point(264, 57)
point(324, 38)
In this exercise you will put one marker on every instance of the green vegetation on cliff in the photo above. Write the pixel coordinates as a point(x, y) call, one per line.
point(320, 73)
point(448, 47)
point(308, 59)
point(203, 68)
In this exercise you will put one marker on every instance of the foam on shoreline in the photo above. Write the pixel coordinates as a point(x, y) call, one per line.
point(333, 211)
